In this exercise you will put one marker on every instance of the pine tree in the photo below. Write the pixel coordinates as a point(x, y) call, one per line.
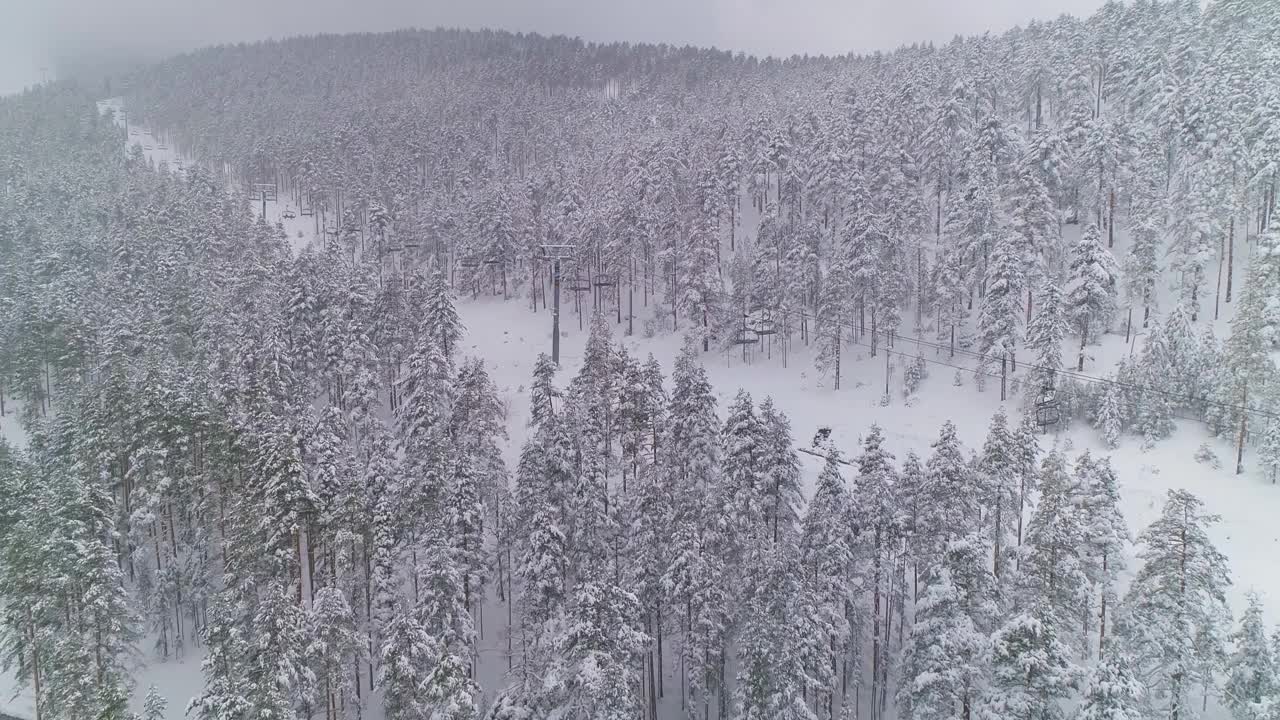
point(1176, 597)
point(1252, 681)
point(1045, 333)
point(1000, 320)
point(834, 315)
point(1154, 412)
point(334, 645)
point(741, 491)
point(1113, 691)
point(780, 464)
point(1113, 414)
point(774, 643)
point(1093, 281)
point(1105, 533)
point(595, 674)
point(826, 554)
point(953, 488)
point(153, 705)
point(406, 655)
point(941, 665)
point(1026, 463)
point(998, 465)
point(440, 324)
point(875, 513)
point(1031, 672)
point(542, 393)
point(1053, 569)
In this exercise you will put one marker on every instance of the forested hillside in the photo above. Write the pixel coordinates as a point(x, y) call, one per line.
point(278, 455)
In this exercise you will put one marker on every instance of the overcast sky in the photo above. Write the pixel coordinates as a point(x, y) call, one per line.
point(33, 31)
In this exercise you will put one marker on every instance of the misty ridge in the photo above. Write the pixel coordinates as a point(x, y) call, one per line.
point(584, 370)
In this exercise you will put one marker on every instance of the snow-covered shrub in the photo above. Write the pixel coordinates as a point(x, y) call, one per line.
point(1206, 456)
point(914, 374)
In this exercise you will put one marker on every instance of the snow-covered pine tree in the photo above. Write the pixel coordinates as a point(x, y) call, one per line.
point(405, 659)
point(1247, 364)
point(781, 466)
point(1113, 691)
point(942, 666)
point(153, 705)
point(440, 323)
point(833, 318)
point(1092, 284)
point(1053, 571)
point(333, 646)
point(1030, 670)
point(1026, 463)
point(448, 688)
point(952, 486)
point(1154, 414)
point(875, 514)
point(1105, 533)
point(1033, 224)
point(543, 393)
point(998, 469)
point(1000, 320)
point(741, 494)
point(777, 637)
point(1176, 597)
point(595, 673)
point(1253, 685)
point(1045, 333)
point(951, 307)
point(826, 555)
point(1113, 414)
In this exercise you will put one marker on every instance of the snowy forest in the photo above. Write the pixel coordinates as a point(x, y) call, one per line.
point(272, 448)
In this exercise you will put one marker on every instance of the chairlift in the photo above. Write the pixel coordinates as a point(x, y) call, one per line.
point(745, 336)
point(289, 214)
point(492, 261)
point(578, 283)
point(605, 280)
point(162, 147)
point(469, 263)
point(306, 212)
point(147, 147)
point(763, 322)
point(1047, 410)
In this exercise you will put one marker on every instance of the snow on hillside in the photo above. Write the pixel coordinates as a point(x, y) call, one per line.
point(509, 337)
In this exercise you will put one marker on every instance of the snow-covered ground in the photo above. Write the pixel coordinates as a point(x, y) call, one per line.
point(508, 336)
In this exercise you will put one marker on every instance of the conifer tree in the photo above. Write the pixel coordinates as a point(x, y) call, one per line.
point(875, 513)
point(834, 315)
point(1252, 684)
point(1092, 288)
point(1000, 320)
point(1053, 569)
point(1113, 691)
point(1031, 672)
point(998, 465)
point(826, 554)
point(1045, 333)
point(942, 663)
point(1026, 463)
point(781, 467)
point(153, 705)
point(1176, 598)
point(1105, 532)
point(953, 489)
